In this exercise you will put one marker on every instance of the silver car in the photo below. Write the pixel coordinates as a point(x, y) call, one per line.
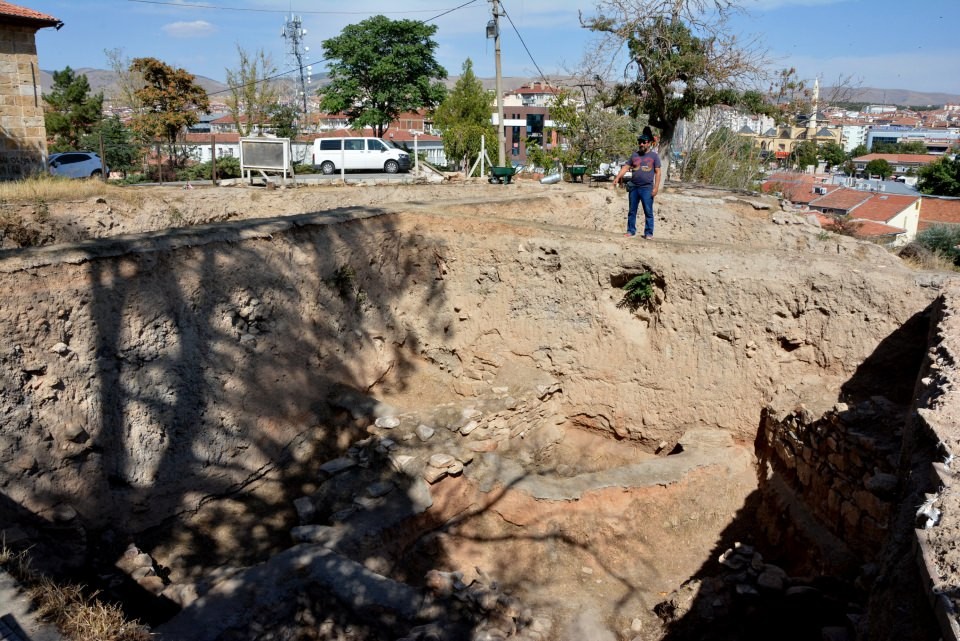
point(76, 164)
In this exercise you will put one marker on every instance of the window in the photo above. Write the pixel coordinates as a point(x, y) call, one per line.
point(354, 144)
point(330, 145)
point(376, 145)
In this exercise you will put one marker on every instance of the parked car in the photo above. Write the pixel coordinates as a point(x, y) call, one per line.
point(76, 164)
point(370, 154)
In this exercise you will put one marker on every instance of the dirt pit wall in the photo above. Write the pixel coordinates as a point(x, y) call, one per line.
point(193, 372)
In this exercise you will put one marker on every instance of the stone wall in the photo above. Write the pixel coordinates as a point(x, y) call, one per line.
point(840, 469)
point(23, 144)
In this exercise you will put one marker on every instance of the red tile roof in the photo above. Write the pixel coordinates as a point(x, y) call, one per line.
point(796, 187)
point(938, 211)
point(204, 139)
point(882, 208)
point(868, 228)
point(8, 10)
point(844, 199)
point(861, 228)
point(922, 159)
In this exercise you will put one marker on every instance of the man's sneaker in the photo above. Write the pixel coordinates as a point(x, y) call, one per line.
point(648, 237)
point(629, 235)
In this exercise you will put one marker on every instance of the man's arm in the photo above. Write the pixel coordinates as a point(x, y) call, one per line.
point(623, 170)
point(656, 181)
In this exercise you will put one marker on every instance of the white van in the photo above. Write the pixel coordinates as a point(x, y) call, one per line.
point(371, 154)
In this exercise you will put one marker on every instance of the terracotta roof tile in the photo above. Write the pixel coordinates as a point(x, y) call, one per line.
point(9, 10)
point(938, 211)
point(884, 207)
point(845, 199)
point(898, 158)
point(868, 228)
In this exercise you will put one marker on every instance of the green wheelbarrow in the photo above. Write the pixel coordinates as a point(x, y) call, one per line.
point(502, 175)
point(577, 172)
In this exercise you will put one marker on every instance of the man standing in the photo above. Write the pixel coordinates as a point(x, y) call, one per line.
point(642, 186)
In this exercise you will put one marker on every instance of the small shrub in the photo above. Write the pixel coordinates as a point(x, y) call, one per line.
point(942, 239)
point(342, 281)
point(638, 291)
point(41, 210)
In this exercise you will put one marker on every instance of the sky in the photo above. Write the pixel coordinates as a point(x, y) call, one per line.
point(890, 44)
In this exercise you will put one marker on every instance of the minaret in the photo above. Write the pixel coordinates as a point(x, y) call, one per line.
point(812, 123)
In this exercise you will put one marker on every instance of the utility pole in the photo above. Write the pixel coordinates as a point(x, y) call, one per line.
point(293, 33)
point(493, 30)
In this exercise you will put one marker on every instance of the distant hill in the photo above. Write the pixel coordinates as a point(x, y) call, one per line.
point(898, 97)
point(104, 80)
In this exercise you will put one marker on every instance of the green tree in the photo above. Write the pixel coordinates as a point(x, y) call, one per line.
point(171, 99)
point(119, 150)
point(859, 150)
point(941, 177)
point(911, 147)
point(804, 154)
point(380, 68)
point(683, 58)
point(884, 148)
point(251, 95)
point(833, 154)
point(464, 117)
point(284, 118)
point(72, 112)
point(879, 167)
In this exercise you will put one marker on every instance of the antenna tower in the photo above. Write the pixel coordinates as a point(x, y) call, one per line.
point(298, 55)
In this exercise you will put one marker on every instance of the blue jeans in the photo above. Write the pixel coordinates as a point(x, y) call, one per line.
point(636, 196)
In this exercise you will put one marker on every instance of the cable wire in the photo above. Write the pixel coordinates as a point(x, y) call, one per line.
point(328, 13)
point(542, 76)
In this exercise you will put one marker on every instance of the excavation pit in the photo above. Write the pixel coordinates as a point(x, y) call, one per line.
point(563, 464)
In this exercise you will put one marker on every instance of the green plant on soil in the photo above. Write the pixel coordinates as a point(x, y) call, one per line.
point(637, 291)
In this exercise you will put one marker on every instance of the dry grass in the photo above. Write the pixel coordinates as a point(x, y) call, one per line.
point(78, 617)
point(43, 188)
point(83, 617)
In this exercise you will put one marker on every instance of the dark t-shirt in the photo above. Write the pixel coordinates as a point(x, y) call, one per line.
point(644, 166)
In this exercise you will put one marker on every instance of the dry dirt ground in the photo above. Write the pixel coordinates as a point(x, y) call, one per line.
point(742, 243)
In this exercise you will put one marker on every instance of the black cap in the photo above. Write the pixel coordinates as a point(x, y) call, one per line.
point(644, 138)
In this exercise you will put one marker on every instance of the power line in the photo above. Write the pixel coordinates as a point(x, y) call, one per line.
point(328, 13)
point(530, 55)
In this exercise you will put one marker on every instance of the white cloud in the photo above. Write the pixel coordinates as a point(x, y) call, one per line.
point(195, 29)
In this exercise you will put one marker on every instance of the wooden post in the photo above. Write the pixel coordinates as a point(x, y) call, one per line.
point(213, 158)
point(159, 164)
point(103, 161)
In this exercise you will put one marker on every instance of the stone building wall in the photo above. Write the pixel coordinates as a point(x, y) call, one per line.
point(23, 144)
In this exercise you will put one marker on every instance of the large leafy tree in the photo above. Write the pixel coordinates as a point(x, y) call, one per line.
point(833, 154)
point(804, 154)
point(380, 68)
point(464, 118)
point(170, 98)
point(879, 167)
point(682, 58)
point(941, 177)
point(251, 96)
point(73, 112)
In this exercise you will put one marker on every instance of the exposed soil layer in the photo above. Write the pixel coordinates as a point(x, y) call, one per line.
point(183, 390)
